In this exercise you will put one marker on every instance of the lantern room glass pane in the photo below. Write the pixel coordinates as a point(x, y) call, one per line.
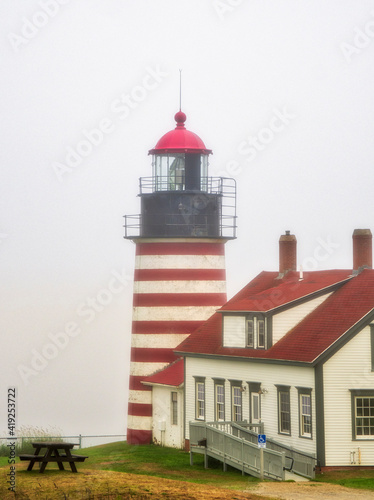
point(204, 172)
point(169, 172)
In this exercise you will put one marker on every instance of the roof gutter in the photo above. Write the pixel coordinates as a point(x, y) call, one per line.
point(269, 361)
point(157, 384)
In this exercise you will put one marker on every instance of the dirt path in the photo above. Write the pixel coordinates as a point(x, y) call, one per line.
point(309, 491)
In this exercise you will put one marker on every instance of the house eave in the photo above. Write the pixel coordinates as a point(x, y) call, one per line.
point(155, 384)
point(246, 359)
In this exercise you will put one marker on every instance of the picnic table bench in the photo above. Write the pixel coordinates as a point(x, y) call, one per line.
point(52, 454)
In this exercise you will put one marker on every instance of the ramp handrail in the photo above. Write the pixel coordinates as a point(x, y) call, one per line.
point(208, 439)
point(303, 463)
point(300, 462)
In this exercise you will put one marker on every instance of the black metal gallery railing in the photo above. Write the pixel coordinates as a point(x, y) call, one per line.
point(179, 213)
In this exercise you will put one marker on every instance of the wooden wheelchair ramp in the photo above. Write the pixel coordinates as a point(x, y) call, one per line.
point(235, 445)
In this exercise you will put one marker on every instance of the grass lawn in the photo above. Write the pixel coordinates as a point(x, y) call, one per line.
point(119, 470)
point(361, 479)
point(163, 462)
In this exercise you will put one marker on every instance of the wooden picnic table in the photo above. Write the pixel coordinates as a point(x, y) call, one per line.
point(52, 454)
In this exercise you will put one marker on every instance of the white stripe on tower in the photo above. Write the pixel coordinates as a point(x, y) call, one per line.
point(178, 284)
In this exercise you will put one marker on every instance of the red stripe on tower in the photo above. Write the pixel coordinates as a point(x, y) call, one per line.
point(178, 299)
point(135, 384)
point(180, 276)
point(140, 410)
point(152, 355)
point(178, 249)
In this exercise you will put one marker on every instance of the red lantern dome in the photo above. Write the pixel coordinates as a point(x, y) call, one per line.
point(180, 140)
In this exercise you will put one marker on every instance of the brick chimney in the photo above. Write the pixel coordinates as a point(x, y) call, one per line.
point(362, 249)
point(287, 253)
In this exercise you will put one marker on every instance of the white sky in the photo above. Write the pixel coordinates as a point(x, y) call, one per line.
point(65, 69)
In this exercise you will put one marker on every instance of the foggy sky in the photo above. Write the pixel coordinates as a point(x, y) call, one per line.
point(281, 91)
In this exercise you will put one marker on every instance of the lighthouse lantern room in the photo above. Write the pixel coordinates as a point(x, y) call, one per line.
point(180, 278)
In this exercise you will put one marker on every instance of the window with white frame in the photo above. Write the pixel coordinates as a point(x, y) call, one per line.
point(174, 408)
point(255, 408)
point(305, 411)
point(254, 402)
point(256, 331)
point(219, 397)
point(261, 334)
point(250, 332)
point(236, 402)
point(284, 410)
point(363, 414)
point(200, 399)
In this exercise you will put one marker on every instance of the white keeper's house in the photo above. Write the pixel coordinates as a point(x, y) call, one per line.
point(296, 352)
point(291, 351)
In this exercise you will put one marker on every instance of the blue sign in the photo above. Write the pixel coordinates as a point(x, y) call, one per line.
point(262, 440)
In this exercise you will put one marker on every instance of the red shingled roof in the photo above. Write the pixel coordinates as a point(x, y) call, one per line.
point(172, 375)
point(318, 331)
point(267, 292)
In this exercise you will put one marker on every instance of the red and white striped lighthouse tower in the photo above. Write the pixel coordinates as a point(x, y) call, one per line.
point(180, 277)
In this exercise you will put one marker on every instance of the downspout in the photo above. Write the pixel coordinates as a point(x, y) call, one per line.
point(320, 415)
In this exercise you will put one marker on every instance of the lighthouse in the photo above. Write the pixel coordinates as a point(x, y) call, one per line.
point(180, 277)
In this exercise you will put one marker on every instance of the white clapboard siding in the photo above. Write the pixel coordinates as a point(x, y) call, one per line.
point(284, 321)
point(166, 433)
point(349, 368)
point(245, 371)
point(234, 331)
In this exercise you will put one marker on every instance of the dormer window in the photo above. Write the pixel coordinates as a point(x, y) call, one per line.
point(256, 331)
point(261, 333)
point(251, 330)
